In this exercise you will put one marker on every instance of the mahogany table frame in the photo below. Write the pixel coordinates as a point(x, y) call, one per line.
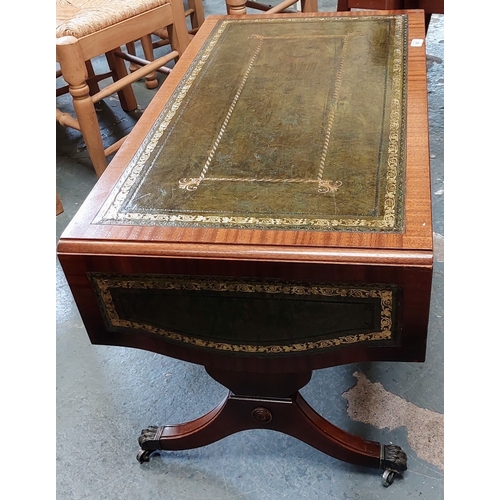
point(264, 393)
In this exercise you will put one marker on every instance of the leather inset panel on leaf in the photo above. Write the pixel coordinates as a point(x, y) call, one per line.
point(247, 316)
point(301, 127)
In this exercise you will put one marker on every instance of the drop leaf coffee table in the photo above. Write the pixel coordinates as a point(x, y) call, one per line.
point(269, 215)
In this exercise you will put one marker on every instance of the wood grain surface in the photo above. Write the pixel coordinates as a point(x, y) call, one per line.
point(403, 260)
point(412, 247)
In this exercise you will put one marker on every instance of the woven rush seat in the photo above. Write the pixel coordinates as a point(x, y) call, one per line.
point(82, 17)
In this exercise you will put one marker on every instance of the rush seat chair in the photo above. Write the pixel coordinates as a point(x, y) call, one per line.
point(86, 29)
point(194, 12)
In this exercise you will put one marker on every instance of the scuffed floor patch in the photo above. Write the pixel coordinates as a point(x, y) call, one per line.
point(370, 403)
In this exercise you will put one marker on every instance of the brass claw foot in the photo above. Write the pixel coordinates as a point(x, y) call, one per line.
point(149, 441)
point(393, 460)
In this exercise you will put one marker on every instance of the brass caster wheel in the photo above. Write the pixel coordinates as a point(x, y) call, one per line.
point(143, 455)
point(388, 477)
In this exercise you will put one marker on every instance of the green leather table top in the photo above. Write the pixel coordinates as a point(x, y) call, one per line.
point(293, 123)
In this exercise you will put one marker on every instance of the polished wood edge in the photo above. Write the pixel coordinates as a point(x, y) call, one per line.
point(254, 253)
point(417, 236)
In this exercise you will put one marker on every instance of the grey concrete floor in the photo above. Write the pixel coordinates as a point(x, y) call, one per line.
point(106, 395)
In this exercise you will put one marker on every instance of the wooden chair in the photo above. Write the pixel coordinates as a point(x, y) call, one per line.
point(86, 29)
point(196, 15)
point(239, 7)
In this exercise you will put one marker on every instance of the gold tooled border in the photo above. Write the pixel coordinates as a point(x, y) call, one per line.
point(390, 221)
point(104, 283)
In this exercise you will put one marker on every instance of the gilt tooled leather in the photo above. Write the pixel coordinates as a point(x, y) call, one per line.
point(249, 317)
point(284, 123)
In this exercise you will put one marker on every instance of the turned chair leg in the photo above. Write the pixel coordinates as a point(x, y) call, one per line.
point(309, 5)
point(118, 68)
point(147, 47)
point(131, 50)
point(236, 7)
point(196, 17)
point(94, 87)
point(89, 126)
point(74, 71)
